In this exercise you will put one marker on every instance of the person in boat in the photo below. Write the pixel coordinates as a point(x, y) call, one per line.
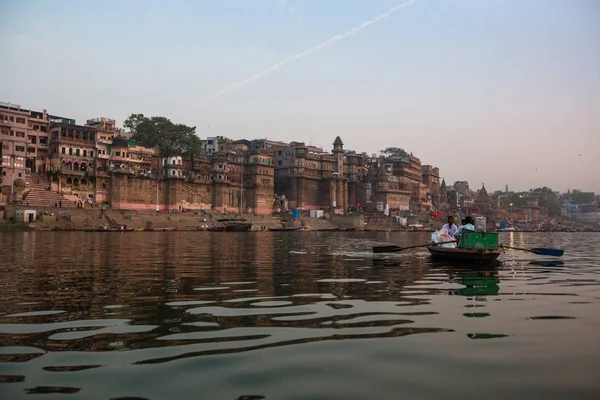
point(468, 224)
point(450, 226)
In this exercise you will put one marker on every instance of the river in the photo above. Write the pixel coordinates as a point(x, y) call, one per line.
point(293, 315)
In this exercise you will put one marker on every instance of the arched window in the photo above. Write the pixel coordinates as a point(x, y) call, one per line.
point(75, 181)
point(69, 181)
point(83, 181)
point(75, 166)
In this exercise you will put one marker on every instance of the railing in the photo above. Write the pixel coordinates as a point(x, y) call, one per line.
point(75, 172)
point(43, 144)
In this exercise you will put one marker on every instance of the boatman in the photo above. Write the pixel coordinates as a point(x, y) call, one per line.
point(450, 226)
point(469, 225)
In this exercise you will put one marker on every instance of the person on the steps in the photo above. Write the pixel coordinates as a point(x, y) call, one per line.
point(468, 225)
point(450, 226)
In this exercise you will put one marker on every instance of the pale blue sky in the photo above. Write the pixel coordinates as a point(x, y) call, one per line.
point(488, 90)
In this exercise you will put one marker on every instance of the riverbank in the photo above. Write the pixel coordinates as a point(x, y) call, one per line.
point(95, 219)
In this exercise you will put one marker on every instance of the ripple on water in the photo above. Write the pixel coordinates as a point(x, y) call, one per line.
point(255, 315)
point(35, 313)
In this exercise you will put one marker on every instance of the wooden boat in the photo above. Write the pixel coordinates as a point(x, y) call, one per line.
point(292, 229)
point(236, 225)
point(463, 255)
point(169, 229)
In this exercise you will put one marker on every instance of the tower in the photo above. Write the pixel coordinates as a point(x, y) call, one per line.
point(338, 152)
point(339, 190)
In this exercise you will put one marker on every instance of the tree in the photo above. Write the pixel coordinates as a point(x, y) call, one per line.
point(393, 152)
point(162, 134)
point(580, 197)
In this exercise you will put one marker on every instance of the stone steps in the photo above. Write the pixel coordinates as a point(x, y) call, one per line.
point(38, 196)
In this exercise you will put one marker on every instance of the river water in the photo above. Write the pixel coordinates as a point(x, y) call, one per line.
point(302, 315)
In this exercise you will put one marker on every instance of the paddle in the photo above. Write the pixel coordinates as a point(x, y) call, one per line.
point(538, 250)
point(395, 249)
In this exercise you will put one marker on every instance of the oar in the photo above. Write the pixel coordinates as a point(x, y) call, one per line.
point(538, 250)
point(395, 249)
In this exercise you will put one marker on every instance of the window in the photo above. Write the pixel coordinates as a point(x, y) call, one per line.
point(118, 153)
point(173, 164)
point(19, 148)
point(20, 120)
point(70, 151)
point(43, 129)
point(76, 152)
point(12, 119)
point(279, 162)
point(85, 153)
point(173, 173)
point(63, 151)
point(36, 127)
point(91, 154)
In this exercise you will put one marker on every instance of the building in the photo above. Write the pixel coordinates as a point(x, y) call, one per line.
point(483, 202)
point(13, 133)
point(312, 180)
point(38, 142)
point(72, 152)
point(216, 144)
point(386, 192)
point(172, 166)
point(259, 183)
point(431, 181)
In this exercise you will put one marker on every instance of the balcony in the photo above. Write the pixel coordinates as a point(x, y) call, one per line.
point(41, 144)
point(68, 171)
point(103, 156)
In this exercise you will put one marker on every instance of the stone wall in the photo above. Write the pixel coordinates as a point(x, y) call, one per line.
point(305, 193)
point(138, 193)
point(127, 192)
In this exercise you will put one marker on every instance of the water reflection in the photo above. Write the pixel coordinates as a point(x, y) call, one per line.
point(78, 304)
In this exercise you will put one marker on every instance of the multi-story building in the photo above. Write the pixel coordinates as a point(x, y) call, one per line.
point(126, 156)
point(385, 191)
point(72, 152)
point(38, 142)
point(13, 133)
point(312, 180)
point(431, 181)
point(259, 183)
point(218, 144)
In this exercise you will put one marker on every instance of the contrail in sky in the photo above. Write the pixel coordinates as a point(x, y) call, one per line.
point(305, 53)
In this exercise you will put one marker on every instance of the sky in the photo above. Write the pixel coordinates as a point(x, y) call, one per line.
point(501, 92)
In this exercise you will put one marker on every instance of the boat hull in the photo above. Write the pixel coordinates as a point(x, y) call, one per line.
point(294, 229)
point(161, 229)
point(463, 255)
point(238, 227)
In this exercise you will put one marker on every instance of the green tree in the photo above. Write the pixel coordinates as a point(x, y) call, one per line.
point(580, 197)
point(393, 152)
point(162, 134)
